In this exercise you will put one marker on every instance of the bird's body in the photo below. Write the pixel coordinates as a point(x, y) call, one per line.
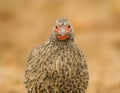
point(58, 66)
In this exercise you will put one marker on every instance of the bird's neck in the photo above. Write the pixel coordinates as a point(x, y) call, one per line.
point(61, 42)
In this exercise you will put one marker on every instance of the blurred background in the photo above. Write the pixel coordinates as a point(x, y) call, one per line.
point(25, 24)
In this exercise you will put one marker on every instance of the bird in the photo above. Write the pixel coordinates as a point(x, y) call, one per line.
point(58, 65)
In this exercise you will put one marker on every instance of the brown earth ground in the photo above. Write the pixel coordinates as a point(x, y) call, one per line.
point(25, 24)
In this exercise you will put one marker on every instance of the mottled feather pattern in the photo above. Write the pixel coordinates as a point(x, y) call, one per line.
point(56, 67)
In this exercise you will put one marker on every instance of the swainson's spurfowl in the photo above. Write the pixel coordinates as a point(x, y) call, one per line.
point(57, 66)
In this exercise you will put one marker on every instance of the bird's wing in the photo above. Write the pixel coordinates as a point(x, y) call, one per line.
point(85, 69)
point(83, 64)
point(30, 74)
point(33, 67)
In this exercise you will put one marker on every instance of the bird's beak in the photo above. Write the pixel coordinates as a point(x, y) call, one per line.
point(63, 31)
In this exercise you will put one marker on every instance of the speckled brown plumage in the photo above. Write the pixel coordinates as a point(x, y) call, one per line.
point(58, 66)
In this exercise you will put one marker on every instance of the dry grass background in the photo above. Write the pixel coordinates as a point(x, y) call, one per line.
point(25, 24)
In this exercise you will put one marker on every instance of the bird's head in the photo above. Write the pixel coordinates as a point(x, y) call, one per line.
point(63, 30)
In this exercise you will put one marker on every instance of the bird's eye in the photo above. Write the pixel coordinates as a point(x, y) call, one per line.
point(56, 27)
point(68, 26)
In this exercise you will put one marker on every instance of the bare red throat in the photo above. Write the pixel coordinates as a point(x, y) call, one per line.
point(60, 37)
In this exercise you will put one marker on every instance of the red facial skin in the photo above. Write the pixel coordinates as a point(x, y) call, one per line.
point(59, 36)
